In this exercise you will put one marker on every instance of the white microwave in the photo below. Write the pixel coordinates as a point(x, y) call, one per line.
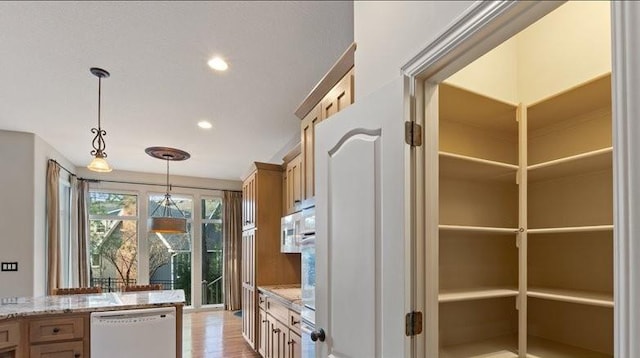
point(290, 233)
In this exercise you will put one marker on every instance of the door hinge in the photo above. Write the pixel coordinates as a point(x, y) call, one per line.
point(413, 323)
point(413, 134)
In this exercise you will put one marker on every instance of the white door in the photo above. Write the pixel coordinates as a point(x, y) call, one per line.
point(361, 231)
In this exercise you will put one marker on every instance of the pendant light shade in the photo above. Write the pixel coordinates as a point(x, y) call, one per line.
point(167, 223)
point(99, 162)
point(100, 165)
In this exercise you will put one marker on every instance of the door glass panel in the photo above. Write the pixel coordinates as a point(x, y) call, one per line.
point(212, 255)
point(170, 255)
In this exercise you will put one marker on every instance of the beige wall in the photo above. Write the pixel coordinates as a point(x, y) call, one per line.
point(389, 33)
point(495, 74)
point(24, 156)
point(569, 46)
point(16, 212)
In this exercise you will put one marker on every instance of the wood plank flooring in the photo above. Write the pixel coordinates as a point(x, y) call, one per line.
point(214, 334)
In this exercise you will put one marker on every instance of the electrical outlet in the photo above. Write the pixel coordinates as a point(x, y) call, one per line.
point(9, 266)
point(8, 301)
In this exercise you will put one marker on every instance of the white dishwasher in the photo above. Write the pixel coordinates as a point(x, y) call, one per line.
point(134, 333)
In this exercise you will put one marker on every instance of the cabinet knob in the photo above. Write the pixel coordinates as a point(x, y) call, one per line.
point(297, 201)
point(294, 322)
point(290, 342)
point(247, 222)
point(318, 335)
point(264, 321)
point(56, 330)
point(77, 355)
point(276, 330)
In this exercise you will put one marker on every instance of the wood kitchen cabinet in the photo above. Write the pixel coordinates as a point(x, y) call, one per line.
point(292, 182)
point(55, 350)
point(10, 339)
point(263, 333)
point(58, 336)
point(249, 202)
point(262, 262)
point(331, 95)
point(340, 96)
point(307, 136)
point(279, 333)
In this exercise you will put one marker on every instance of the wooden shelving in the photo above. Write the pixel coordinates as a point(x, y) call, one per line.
point(478, 110)
point(470, 168)
point(576, 101)
point(596, 160)
point(476, 294)
point(563, 251)
point(570, 229)
point(499, 347)
point(573, 296)
point(544, 348)
point(478, 229)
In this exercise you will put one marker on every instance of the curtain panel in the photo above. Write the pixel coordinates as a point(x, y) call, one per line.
point(53, 226)
point(79, 232)
point(232, 248)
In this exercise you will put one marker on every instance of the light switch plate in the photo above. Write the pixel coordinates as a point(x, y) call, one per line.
point(9, 266)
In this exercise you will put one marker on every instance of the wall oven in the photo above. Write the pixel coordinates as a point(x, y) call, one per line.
point(290, 233)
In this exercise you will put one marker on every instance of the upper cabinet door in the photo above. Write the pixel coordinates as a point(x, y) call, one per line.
point(340, 96)
point(360, 229)
point(249, 202)
point(307, 135)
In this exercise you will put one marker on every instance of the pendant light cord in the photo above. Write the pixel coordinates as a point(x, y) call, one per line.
point(167, 196)
point(99, 97)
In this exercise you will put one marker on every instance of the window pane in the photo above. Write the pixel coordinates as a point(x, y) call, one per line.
point(184, 206)
point(112, 204)
point(212, 259)
point(212, 209)
point(114, 253)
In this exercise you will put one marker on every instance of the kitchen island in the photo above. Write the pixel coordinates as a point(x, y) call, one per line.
point(45, 326)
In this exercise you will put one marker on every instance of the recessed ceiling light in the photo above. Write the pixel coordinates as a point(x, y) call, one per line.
point(218, 64)
point(204, 125)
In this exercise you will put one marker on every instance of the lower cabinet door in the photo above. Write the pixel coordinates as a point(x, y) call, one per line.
point(277, 346)
point(263, 335)
point(294, 349)
point(57, 350)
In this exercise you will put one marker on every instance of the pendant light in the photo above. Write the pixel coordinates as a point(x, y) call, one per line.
point(99, 162)
point(167, 223)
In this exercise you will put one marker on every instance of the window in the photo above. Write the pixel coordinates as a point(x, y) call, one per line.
point(123, 251)
point(212, 255)
point(113, 239)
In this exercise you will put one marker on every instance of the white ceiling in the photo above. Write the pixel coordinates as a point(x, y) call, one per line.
point(160, 84)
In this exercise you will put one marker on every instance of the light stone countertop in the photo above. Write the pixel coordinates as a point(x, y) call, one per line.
point(287, 294)
point(30, 306)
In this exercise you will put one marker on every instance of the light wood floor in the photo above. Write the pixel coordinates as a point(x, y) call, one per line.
point(214, 334)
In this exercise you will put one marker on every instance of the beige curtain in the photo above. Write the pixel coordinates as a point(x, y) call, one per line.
point(53, 229)
point(80, 233)
point(232, 250)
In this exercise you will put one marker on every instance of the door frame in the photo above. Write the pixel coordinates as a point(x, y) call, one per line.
point(482, 27)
